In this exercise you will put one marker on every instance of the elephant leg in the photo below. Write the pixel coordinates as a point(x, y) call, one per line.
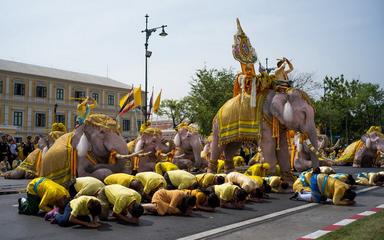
point(283, 153)
point(215, 149)
point(229, 152)
point(268, 147)
point(14, 174)
point(101, 174)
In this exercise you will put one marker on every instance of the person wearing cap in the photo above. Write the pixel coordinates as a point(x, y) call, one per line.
point(125, 202)
point(281, 73)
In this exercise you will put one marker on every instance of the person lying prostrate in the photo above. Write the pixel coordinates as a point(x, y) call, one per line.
point(152, 182)
point(180, 179)
point(162, 167)
point(125, 180)
point(85, 186)
point(209, 179)
point(231, 196)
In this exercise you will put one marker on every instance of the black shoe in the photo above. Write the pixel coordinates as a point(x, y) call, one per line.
point(295, 196)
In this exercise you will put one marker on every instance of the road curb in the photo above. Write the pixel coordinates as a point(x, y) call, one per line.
point(342, 223)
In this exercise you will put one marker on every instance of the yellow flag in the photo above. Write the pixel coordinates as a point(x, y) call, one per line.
point(137, 96)
point(123, 99)
point(156, 105)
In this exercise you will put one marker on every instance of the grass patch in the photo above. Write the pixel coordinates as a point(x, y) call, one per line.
point(371, 227)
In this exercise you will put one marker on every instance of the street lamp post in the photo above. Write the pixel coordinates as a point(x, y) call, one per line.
point(148, 32)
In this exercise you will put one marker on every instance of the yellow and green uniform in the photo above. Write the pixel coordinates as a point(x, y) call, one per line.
point(121, 197)
point(151, 181)
point(205, 179)
point(303, 182)
point(340, 176)
point(258, 169)
point(49, 192)
point(162, 167)
point(226, 191)
point(182, 179)
point(119, 178)
point(88, 186)
point(331, 188)
point(79, 205)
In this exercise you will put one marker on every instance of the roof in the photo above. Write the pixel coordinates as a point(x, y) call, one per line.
point(25, 68)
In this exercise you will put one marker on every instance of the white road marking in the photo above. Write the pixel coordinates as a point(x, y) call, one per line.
point(344, 222)
point(233, 226)
point(316, 234)
point(15, 205)
point(380, 206)
point(366, 213)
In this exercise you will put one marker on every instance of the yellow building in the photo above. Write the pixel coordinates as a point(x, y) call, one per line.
point(30, 95)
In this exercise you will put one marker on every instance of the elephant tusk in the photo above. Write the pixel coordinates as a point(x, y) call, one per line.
point(145, 154)
point(129, 155)
point(180, 156)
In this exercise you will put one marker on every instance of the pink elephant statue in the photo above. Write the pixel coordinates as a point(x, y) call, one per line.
point(372, 152)
point(151, 147)
point(93, 149)
point(188, 148)
point(291, 109)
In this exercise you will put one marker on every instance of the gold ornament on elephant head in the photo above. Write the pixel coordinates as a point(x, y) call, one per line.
point(103, 121)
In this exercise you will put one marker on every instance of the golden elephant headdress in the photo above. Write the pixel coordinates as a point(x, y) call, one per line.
point(58, 127)
point(102, 121)
point(185, 125)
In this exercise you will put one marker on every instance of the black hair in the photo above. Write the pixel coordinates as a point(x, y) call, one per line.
point(258, 193)
point(136, 185)
point(350, 180)
point(316, 170)
point(187, 201)
point(284, 185)
point(267, 187)
point(241, 194)
point(94, 207)
point(72, 190)
point(349, 194)
point(380, 178)
point(213, 200)
point(195, 185)
point(137, 210)
point(219, 180)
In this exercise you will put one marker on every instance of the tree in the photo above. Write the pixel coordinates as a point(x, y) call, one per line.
point(174, 109)
point(210, 89)
point(349, 108)
point(305, 82)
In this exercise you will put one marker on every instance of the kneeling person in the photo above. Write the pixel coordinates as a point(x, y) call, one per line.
point(85, 186)
point(231, 196)
point(125, 180)
point(180, 179)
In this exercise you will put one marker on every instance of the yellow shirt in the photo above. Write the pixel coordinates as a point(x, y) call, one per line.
point(151, 181)
point(243, 181)
point(258, 180)
point(220, 166)
point(334, 189)
point(48, 191)
point(226, 191)
point(162, 167)
point(238, 161)
point(121, 197)
point(365, 178)
point(258, 169)
point(119, 178)
point(88, 186)
point(182, 179)
point(80, 205)
point(205, 179)
point(298, 184)
point(274, 182)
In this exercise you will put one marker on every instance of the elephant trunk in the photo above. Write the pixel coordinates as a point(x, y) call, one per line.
point(312, 136)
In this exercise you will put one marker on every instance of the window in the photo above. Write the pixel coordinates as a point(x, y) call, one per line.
point(139, 124)
point(79, 94)
point(59, 94)
point(19, 89)
point(41, 91)
point(18, 118)
point(1, 86)
point(18, 139)
point(40, 120)
point(95, 97)
point(126, 125)
point(111, 100)
point(60, 118)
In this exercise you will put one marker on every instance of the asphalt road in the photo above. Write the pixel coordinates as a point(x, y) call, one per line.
point(15, 226)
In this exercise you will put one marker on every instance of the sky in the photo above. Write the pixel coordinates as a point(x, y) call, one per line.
point(104, 38)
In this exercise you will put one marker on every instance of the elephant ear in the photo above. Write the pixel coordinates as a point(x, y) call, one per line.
point(83, 147)
point(281, 108)
point(366, 139)
point(139, 145)
point(177, 139)
point(76, 137)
